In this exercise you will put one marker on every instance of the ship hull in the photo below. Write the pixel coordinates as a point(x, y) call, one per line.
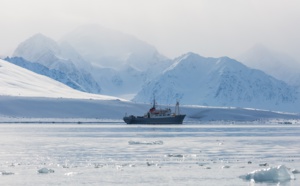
point(178, 119)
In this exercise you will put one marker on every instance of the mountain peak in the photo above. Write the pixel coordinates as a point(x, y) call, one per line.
point(40, 40)
point(188, 56)
point(39, 36)
point(110, 48)
point(36, 47)
point(187, 59)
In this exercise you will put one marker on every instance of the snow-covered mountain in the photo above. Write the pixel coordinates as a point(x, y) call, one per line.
point(127, 67)
point(18, 81)
point(279, 65)
point(94, 57)
point(121, 63)
point(60, 62)
point(63, 77)
point(193, 79)
point(29, 97)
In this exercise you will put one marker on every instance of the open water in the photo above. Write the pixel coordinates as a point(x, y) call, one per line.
point(119, 154)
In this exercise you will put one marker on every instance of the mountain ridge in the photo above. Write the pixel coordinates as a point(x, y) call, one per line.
point(277, 64)
point(29, 97)
point(139, 71)
point(194, 79)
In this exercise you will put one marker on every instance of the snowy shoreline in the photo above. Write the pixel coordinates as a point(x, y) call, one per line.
point(26, 120)
point(187, 122)
point(17, 109)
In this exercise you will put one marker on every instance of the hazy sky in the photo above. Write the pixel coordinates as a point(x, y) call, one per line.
point(208, 27)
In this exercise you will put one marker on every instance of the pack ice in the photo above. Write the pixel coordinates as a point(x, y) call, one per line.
point(272, 174)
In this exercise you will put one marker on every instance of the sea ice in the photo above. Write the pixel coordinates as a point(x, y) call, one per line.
point(264, 164)
point(70, 173)
point(45, 170)
point(175, 155)
point(225, 167)
point(295, 171)
point(6, 173)
point(272, 174)
point(145, 142)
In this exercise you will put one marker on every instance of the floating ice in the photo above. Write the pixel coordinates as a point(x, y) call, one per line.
point(295, 171)
point(145, 142)
point(264, 164)
point(272, 174)
point(152, 164)
point(175, 155)
point(6, 173)
point(202, 164)
point(99, 166)
point(65, 166)
point(71, 173)
point(45, 170)
point(225, 167)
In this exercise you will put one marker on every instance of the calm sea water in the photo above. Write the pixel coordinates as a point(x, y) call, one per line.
point(119, 154)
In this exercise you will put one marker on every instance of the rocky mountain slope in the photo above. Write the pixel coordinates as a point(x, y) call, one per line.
point(197, 80)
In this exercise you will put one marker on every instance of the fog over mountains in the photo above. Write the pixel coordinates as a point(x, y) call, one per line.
point(58, 61)
point(121, 63)
point(99, 60)
point(276, 64)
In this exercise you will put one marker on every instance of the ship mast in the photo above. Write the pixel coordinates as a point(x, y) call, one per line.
point(177, 112)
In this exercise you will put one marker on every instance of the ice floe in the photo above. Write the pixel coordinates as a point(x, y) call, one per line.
point(295, 171)
point(175, 155)
point(145, 142)
point(71, 173)
point(272, 174)
point(225, 167)
point(45, 170)
point(6, 173)
point(264, 164)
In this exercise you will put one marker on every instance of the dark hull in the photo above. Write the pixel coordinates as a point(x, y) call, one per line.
point(178, 119)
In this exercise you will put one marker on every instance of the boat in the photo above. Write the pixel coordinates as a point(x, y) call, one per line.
point(157, 116)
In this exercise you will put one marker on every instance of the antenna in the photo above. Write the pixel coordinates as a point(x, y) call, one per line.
point(154, 106)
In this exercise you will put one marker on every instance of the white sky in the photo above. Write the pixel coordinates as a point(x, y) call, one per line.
point(208, 27)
